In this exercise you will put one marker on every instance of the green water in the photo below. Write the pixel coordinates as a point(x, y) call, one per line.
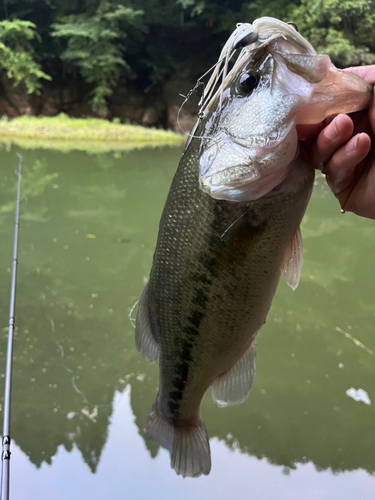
point(81, 392)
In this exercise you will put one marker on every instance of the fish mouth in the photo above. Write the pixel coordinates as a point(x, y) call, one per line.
point(219, 178)
point(244, 169)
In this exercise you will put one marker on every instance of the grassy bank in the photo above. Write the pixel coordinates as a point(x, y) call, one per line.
point(65, 133)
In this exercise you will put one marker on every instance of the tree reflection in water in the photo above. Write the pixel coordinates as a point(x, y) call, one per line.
point(74, 345)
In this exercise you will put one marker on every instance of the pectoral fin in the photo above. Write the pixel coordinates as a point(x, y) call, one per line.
point(144, 339)
point(293, 260)
point(234, 386)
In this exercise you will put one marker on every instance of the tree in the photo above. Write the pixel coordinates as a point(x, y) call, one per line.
point(342, 29)
point(94, 45)
point(17, 54)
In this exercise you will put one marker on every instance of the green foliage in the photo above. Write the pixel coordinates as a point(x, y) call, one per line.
point(345, 30)
point(93, 46)
point(197, 6)
point(17, 54)
point(281, 9)
point(342, 29)
point(111, 42)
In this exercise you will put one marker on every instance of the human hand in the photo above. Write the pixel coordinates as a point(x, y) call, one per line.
point(345, 152)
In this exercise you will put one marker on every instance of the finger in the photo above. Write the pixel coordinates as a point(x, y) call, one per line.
point(372, 114)
point(365, 72)
point(341, 168)
point(330, 139)
point(360, 199)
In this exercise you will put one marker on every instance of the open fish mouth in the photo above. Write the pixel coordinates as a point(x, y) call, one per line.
point(245, 172)
point(248, 126)
point(246, 163)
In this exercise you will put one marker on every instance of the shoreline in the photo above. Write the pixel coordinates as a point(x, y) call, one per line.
point(84, 132)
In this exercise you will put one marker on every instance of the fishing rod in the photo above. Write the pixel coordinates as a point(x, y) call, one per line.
point(5, 455)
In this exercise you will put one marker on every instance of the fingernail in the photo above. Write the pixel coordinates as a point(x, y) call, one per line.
point(331, 131)
point(342, 175)
point(351, 145)
point(340, 179)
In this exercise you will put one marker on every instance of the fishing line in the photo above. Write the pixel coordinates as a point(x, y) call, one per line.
point(203, 100)
point(190, 93)
point(241, 38)
point(249, 38)
point(5, 455)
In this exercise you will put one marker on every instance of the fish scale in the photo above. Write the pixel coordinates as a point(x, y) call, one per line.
point(229, 274)
point(229, 227)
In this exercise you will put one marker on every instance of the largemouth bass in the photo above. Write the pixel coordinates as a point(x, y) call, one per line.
point(230, 227)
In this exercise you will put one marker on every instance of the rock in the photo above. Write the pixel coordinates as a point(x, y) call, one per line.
point(157, 107)
point(134, 106)
point(51, 104)
point(181, 122)
point(18, 98)
point(150, 117)
point(57, 99)
point(6, 109)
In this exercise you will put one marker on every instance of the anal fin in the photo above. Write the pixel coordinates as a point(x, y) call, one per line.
point(144, 339)
point(235, 385)
point(293, 260)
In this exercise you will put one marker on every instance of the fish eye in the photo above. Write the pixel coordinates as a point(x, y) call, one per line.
point(248, 83)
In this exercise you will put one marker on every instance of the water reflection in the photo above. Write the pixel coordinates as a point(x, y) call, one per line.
point(87, 237)
point(125, 471)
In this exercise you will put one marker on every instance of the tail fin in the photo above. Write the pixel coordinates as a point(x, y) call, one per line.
point(188, 445)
